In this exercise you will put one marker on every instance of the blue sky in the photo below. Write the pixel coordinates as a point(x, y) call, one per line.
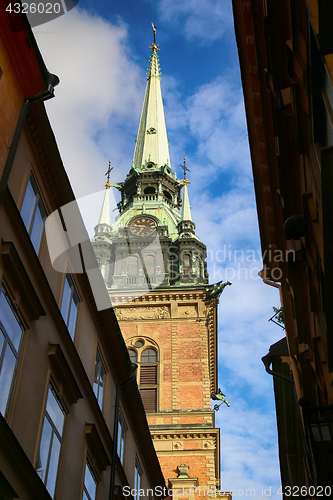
point(100, 51)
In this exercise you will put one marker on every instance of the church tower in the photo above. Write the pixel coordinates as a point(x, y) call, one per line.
point(154, 267)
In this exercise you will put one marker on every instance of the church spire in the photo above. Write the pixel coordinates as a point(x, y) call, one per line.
point(186, 207)
point(152, 148)
point(104, 217)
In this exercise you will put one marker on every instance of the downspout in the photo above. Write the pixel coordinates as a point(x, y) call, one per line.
point(115, 430)
point(263, 274)
point(295, 381)
point(52, 81)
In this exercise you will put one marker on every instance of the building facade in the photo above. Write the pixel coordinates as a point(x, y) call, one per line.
point(286, 58)
point(72, 424)
point(155, 270)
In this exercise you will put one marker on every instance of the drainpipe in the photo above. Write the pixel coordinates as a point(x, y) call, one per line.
point(297, 386)
point(263, 276)
point(115, 430)
point(267, 360)
point(52, 81)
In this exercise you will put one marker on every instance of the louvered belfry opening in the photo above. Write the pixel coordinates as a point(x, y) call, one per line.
point(149, 399)
point(148, 379)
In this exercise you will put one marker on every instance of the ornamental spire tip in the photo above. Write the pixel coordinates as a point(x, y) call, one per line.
point(108, 173)
point(154, 46)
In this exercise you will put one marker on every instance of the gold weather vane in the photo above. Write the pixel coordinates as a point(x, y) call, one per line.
point(108, 173)
point(184, 167)
point(154, 46)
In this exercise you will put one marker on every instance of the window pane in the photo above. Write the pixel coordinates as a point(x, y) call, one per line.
point(65, 300)
point(37, 229)
point(73, 314)
point(6, 377)
point(149, 356)
point(28, 205)
point(10, 322)
point(44, 449)
point(133, 355)
point(121, 438)
point(99, 379)
point(90, 483)
point(53, 466)
point(50, 443)
point(2, 340)
point(55, 412)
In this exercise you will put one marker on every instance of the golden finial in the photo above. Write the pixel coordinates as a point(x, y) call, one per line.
point(108, 173)
point(184, 167)
point(154, 46)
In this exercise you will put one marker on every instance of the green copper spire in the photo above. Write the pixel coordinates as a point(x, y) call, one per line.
point(152, 147)
point(186, 207)
point(104, 218)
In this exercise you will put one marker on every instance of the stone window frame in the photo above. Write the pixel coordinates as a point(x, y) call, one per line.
point(148, 344)
point(67, 392)
point(26, 304)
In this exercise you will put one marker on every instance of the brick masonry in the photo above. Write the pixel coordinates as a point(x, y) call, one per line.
point(183, 429)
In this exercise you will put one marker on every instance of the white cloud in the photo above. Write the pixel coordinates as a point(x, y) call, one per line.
point(99, 97)
point(198, 19)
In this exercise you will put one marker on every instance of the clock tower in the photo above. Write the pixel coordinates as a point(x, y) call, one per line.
point(154, 266)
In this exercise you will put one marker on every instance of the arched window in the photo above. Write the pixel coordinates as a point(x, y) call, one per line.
point(132, 266)
point(146, 356)
point(133, 355)
point(149, 356)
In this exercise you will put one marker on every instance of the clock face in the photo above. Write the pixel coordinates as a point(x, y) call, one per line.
point(143, 226)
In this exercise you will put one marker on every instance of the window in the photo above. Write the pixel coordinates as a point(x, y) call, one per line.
point(137, 479)
point(33, 214)
point(70, 305)
point(11, 333)
point(50, 443)
point(149, 190)
point(99, 379)
point(90, 484)
point(132, 266)
point(147, 375)
point(187, 264)
point(150, 265)
point(133, 355)
point(121, 438)
point(149, 356)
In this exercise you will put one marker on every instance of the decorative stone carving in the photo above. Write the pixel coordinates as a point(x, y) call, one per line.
point(187, 311)
point(207, 445)
point(134, 313)
point(177, 445)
